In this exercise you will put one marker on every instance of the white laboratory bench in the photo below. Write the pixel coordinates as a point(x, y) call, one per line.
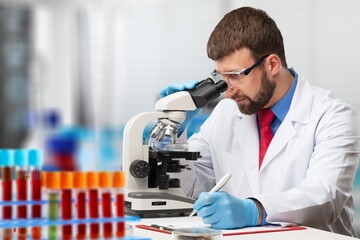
point(308, 233)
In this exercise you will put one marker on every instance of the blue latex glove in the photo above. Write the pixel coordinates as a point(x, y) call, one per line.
point(176, 87)
point(223, 211)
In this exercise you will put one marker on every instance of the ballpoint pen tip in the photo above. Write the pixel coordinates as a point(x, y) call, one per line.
point(192, 213)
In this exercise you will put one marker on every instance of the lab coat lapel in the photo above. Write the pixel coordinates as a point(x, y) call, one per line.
point(285, 132)
point(249, 144)
point(298, 113)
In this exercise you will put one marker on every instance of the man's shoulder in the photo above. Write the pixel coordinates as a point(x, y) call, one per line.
point(323, 97)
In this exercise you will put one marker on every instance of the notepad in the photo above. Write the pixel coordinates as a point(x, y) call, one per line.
point(232, 232)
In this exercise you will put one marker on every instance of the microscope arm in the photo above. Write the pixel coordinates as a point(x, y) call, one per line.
point(133, 147)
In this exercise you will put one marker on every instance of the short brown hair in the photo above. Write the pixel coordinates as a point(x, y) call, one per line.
point(246, 27)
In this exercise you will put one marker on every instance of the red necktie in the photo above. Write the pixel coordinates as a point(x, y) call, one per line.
point(266, 116)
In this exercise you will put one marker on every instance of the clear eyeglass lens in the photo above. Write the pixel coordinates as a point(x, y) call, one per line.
point(230, 78)
point(235, 76)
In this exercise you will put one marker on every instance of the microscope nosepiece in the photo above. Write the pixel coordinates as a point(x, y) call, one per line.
point(165, 128)
point(157, 129)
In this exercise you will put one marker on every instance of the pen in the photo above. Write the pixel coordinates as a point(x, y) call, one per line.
point(216, 188)
point(162, 227)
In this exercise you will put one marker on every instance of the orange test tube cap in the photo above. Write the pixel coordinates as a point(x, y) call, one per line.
point(80, 180)
point(92, 179)
point(43, 178)
point(105, 180)
point(53, 180)
point(119, 179)
point(66, 180)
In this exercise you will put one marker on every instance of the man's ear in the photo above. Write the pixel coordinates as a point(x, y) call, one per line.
point(273, 64)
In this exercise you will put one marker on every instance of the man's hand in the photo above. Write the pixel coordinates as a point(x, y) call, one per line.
point(176, 87)
point(223, 211)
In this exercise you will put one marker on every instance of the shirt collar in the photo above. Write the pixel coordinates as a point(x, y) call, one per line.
point(281, 108)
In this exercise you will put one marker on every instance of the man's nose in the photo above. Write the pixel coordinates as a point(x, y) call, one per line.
point(230, 92)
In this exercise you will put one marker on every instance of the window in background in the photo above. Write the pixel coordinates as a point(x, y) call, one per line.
point(15, 27)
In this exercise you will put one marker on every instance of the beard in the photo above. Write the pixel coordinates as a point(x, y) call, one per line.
point(261, 99)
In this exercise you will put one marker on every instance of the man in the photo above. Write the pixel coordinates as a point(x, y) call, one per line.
point(291, 148)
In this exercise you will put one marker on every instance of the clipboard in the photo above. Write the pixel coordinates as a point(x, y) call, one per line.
point(243, 231)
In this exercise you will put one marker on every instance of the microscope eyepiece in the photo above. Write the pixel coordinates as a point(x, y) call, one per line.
point(221, 86)
point(206, 91)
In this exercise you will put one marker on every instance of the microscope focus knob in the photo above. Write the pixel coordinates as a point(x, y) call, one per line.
point(139, 169)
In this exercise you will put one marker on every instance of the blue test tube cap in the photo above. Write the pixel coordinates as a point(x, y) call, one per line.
point(61, 144)
point(20, 158)
point(34, 156)
point(6, 157)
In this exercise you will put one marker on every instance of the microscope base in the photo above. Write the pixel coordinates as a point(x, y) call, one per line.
point(158, 213)
point(157, 204)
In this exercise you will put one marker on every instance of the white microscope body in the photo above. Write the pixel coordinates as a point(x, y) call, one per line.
point(149, 191)
point(139, 198)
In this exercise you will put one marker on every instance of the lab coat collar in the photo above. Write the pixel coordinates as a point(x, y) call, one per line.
point(302, 101)
point(299, 113)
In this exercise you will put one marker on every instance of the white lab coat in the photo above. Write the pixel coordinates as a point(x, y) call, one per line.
point(307, 173)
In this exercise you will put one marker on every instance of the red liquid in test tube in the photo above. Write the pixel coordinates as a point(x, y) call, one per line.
point(118, 184)
point(81, 214)
point(106, 185)
point(21, 163)
point(120, 232)
point(35, 179)
point(6, 161)
point(66, 185)
point(93, 185)
point(80, 184)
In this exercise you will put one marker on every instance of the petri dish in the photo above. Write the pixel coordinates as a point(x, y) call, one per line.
point(129, 229)
point(196, 234)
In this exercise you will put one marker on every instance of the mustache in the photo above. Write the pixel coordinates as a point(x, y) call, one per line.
point(240, 97)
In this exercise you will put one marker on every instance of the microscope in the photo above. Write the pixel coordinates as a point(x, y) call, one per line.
point(149, 189)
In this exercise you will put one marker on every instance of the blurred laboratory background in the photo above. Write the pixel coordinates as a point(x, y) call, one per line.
point(73, 72)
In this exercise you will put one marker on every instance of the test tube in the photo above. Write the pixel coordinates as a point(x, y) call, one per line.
point(43, 181)
point(53, 186)
point(106, 186)
point(66, 185)
point(21, 163)
point(6, 161)
point(80, 186)
point(119, 183)
point(36, 184)
point(93, 185)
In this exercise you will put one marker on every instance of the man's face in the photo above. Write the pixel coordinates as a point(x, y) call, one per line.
point(250, 92)
point(249, 105)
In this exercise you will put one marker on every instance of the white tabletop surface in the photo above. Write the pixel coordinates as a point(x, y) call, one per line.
point(308, 233)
